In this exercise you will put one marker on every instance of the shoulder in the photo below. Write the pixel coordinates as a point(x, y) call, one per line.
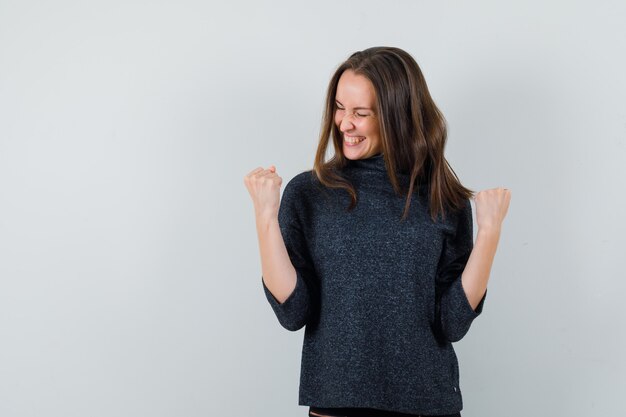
point(462, 219)
point(461, 212)
point(301, 184)
point(465, 212)
point(298, 197)
point(457, 218)
point(300, 191)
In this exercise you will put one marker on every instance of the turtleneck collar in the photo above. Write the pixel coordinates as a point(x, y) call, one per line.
point(375, 162)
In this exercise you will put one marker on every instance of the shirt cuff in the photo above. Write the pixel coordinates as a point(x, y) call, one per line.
point(457, 313)
point(293, 312)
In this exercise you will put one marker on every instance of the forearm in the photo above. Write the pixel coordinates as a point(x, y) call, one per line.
point(278, 272)
point(476, 273)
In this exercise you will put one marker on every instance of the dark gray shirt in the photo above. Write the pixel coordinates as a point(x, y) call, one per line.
point(366, 292)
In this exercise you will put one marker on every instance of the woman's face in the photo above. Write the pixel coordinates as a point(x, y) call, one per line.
point(356, 116)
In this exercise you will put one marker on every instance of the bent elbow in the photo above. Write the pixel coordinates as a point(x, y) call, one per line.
point(456, 335)
point(293, 325)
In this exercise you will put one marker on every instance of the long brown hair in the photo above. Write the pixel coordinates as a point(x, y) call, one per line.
point(413, 131)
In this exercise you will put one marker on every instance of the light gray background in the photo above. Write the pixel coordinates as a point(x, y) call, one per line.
point(130, 279)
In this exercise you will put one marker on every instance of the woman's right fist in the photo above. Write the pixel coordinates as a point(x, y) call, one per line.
point(264, 188)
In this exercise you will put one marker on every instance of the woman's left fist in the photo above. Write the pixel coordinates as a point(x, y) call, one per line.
point(491, 207)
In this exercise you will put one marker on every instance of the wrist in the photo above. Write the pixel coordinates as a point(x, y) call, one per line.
point(489, 231)
point(266, 219)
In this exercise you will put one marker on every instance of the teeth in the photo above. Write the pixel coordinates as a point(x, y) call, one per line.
point(354, 140)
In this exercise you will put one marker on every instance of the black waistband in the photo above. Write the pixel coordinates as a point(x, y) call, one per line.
point(369, 412)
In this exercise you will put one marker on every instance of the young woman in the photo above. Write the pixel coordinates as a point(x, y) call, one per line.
point(373, 250)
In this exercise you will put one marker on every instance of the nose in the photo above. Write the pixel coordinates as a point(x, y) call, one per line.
point(346, 124)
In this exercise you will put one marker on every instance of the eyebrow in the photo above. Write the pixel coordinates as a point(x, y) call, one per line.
point(356, 108)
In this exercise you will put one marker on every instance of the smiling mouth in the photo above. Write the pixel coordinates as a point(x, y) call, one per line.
point(353, 139)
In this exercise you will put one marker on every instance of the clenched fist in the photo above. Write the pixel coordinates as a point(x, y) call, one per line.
point(264, 188)
point(491, 208)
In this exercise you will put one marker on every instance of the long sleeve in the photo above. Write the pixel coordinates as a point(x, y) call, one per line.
point(298, 308)
point(454, 314)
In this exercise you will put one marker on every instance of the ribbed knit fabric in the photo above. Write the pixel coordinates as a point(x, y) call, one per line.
point(366, 292)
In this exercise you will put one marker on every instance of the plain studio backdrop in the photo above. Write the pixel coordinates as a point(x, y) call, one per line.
point(130, 275)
